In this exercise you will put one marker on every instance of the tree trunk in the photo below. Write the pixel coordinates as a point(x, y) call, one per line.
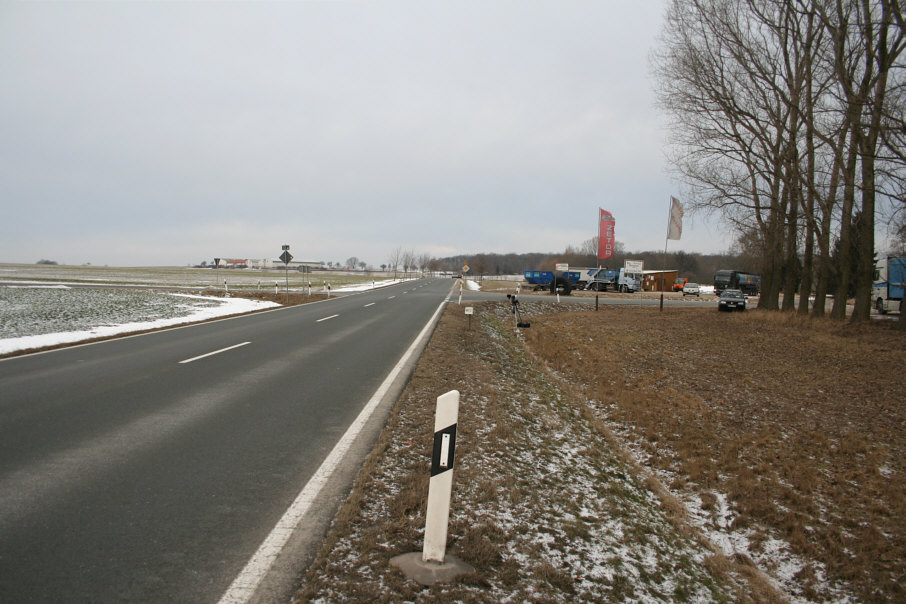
point(791, 260)
point(825, 268)
point(841, 296)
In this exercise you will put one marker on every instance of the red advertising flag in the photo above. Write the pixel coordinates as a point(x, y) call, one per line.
point(606, 238)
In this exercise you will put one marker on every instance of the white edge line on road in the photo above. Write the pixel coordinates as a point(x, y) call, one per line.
point(245, 584)
point(326, 318)
point(369, 304)
point(213, 353)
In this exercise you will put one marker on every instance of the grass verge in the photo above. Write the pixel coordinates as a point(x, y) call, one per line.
point(549, 504)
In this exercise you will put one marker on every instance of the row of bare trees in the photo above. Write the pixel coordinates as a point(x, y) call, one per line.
point(788, 119)
point(405, 261)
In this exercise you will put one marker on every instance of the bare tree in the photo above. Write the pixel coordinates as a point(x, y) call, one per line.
point(422, 261)
point(394, 260)
point(408, 261)
point(868, 39)
point(780, 111)
point(722, 79)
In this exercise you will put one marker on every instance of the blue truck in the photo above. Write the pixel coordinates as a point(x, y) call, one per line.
point(888, 284)
point(544, 278)
point(563, 283)
point(749, 284)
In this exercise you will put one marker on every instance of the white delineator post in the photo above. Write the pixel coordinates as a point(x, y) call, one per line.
point(441, 486)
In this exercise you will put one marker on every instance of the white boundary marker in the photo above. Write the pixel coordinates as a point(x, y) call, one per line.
point(440, 487)
point(245, 584)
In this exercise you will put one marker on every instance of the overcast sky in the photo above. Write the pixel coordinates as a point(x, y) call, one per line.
point(167, 133)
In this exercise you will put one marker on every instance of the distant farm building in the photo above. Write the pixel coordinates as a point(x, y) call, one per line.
point(660, 280)
point(266, 264)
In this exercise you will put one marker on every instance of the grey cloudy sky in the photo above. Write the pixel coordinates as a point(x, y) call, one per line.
point(166, 133)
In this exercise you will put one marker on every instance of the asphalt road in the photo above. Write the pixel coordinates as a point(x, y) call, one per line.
point(149, 469)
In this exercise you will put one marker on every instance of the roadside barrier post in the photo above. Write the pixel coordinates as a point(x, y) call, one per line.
point(440, 489)
point(432, 564)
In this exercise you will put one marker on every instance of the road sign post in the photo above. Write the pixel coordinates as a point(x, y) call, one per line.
point(637, 267)
point(286, 257)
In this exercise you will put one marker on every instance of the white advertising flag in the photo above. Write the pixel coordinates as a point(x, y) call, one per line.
point(675, 228)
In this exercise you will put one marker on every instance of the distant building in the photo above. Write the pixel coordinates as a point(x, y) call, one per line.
point(659, 280)
point(231, 263)
point(266, 264)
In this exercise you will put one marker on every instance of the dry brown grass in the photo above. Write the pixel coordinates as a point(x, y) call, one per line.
point(631, 430)
point(548, 506)
point(799, 422)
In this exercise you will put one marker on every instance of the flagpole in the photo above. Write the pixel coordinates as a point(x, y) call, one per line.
point(666, 239)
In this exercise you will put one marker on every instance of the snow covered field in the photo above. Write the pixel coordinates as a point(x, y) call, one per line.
point(35, 316)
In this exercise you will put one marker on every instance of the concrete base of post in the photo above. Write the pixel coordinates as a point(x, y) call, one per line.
point(429, 573)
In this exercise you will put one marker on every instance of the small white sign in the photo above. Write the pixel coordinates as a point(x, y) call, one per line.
point(470, 310)
point(562, 267)
point(634, 266)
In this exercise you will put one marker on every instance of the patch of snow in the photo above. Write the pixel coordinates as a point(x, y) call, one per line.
point(361, 287)
point(37, 286)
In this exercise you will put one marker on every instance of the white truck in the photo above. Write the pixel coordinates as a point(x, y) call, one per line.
point(888, 284)
point(614, 279)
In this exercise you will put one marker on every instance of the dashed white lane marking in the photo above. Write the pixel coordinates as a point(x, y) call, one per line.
point(213, 353)
point(326, 318)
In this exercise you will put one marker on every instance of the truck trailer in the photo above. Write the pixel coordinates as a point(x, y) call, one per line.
point(888, 284)
point(562, 283)
point(727, 279)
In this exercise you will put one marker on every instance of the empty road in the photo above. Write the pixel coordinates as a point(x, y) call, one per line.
point(151, 468)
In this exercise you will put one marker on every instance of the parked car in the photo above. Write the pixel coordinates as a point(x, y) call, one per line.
point(732, 299)
point(692, 289)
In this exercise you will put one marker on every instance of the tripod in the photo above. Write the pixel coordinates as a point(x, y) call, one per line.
point(516, 312)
